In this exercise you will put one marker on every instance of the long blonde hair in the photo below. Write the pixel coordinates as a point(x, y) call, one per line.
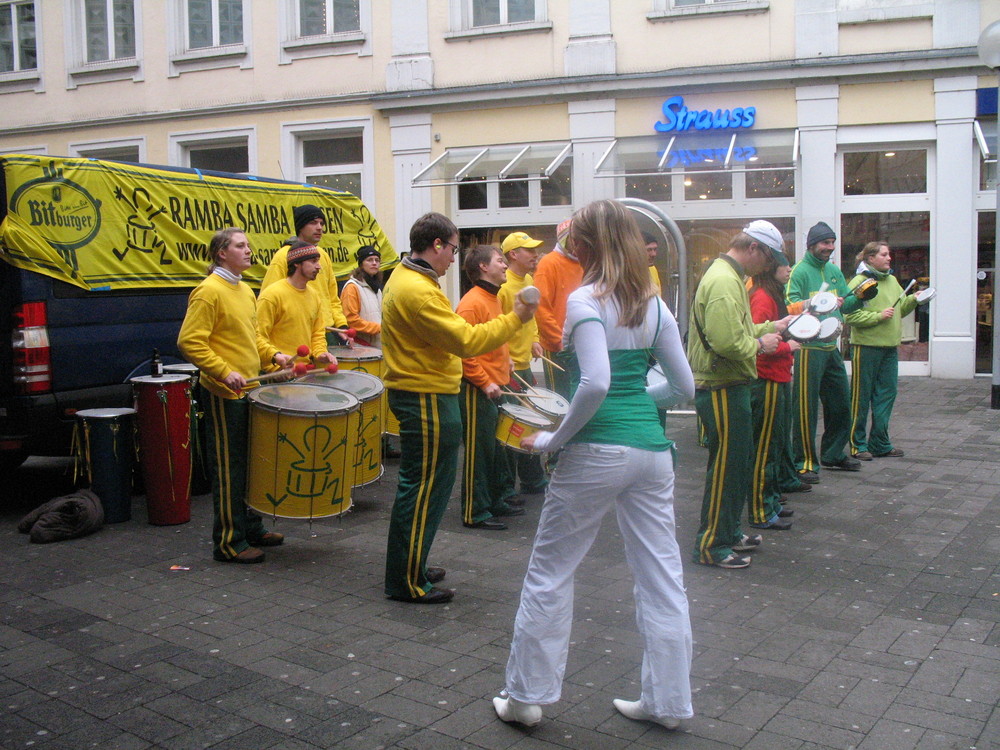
point(606, 239)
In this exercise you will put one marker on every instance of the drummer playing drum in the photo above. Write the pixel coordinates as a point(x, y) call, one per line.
point(219, 335)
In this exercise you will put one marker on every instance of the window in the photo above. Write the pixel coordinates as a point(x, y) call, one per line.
point(220, 150)
point(493, 12)
point(337, 154)
point(664, 10)
point(885, 172)
point(109, 30)
point(214, 23)
point(18, 50)
point(327, 17)
point(488, 17)
point(125, 149)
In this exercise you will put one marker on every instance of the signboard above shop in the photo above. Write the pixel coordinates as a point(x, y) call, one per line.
point(677, 118)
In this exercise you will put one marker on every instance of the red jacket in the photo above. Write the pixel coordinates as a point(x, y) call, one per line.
point(777, 366)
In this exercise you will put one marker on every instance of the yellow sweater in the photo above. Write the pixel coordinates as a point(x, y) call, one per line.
point(520, 345)
point(325, 284)
point(219, 333)
point(424, 340)
point(288, 317)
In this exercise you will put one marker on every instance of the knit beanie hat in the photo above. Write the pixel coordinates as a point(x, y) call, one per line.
point(364, 252)
point(304, 214)
point(300, 251)
point(819, 233)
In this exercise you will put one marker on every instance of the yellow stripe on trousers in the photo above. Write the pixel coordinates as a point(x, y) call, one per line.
point(720, 409)
point(855, 393)
point(469, 469)
point(432, 425)
point(805, 431)
point(763, 447)
point(221, 431)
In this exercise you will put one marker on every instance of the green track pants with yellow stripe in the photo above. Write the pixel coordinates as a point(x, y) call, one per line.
point(787, 477)
point(767, 403)
point(430, 432)
point(235, 527)
point(728, 423)
point(874, 374)
point(487, 483)
point(820, 378)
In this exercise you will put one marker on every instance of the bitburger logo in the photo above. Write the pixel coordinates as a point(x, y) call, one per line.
point(63, 213)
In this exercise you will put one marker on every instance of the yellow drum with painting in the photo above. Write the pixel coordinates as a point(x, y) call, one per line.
point(370, 392)
point(302, 450)
point(368, 359)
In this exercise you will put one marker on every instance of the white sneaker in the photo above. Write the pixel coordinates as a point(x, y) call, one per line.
point(633, 710)
point(510, 709)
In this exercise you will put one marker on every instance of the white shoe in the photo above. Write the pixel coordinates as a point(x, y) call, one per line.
point(510, 709)
point(633, 710)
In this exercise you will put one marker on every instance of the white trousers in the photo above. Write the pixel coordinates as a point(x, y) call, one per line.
point(588, 480)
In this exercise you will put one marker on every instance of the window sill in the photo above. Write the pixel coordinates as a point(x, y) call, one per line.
point(507, 29)
point(19, 80)
point(324, 41)
point(734, 8)
point(194, 56)
point(106, 70)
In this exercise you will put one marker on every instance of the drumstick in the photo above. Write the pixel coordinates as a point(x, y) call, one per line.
point(528, 399)
point(349, 332)
point(519, 396)
point(523, 382)
point(908, 288)
point(546, 359)
point(296, 372)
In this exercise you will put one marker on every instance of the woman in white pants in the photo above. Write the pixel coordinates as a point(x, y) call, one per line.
point(614, 454)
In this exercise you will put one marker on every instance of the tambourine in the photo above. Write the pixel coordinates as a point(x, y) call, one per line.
point(925, 295)
point(867, 289)
point(806, 327)
point(823, 303)
point(829, 329)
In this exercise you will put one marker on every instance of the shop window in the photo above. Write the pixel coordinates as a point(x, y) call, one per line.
point(558, 189)
point(885, 172)
point(472, 194)
point(513, 193)
point(109, 30)
point(327, 17)
point(214, 23)
point(223, 151)
point(770, 183)
point(335, 162)
point(652, 188)
point(986, 267)
point(18, 46)
point(708, 186)
point(908, 235)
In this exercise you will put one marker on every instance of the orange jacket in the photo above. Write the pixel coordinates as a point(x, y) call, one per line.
point(556, 277)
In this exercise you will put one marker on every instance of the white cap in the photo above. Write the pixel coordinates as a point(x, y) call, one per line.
point(766, 232)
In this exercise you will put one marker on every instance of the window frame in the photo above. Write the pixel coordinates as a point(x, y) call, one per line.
point(295, 133)
point(294, 46)
point(86, 149)
point(461, 14)
point(665, 10)
point(79, 70)
point(185, 59)
point(180, 145)
point(216, 28)
point(15, 26)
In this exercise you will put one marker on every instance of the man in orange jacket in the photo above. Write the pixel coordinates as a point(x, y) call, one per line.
point(559, 274)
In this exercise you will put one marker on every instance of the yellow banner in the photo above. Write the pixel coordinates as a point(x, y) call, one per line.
point(105, 225)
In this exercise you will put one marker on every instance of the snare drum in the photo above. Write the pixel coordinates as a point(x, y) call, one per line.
point(806, 327)
point(104, 446)
point(823, 302)
point(369, 359)
point(514, 423)
point(302, 449)
point(829, 329)
point(548, 403)
point(201, 472)
point(163, 404)
point(925, 295)
point(369, 391)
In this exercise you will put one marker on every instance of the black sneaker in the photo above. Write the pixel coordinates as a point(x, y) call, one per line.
point(863, 456)
point(748, 543)
point(894, 453)
point(732, 562)
point(800, 487)
point(847, 463)
point(809, 476)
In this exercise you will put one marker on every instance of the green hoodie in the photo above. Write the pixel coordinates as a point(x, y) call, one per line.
point(722, 308)
point(807, 277)
point(867, 326)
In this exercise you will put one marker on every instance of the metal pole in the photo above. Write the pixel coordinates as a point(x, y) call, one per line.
point(995, 389)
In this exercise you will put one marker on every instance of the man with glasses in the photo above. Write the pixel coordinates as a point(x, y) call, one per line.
point(424, 342)
point(723, 348)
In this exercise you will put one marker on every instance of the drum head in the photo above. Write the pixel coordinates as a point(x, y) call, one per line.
point(107, 413)
point(547, 401)
point(358, 352)
point(185, 367)
point(823, 303)
point(829, 329)
point(359, 384)
point(160, 379)
point(804, 328)
point(925, 295)
point(526, 415)
point(866, 289)
point(302, 399)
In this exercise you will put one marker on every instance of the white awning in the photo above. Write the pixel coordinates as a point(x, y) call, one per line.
point(526, 161)
point(986, 137)
point(702, 151)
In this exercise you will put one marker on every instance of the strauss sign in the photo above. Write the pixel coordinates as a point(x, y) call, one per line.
point(678, 118)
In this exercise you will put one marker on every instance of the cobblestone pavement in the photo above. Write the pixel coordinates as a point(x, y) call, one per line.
point(873, 624)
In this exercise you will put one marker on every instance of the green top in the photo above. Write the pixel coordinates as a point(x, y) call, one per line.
point(868, 328)
point(627, 416)
point(721, 309)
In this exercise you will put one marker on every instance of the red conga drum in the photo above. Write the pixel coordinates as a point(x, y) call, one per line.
point(163, 406)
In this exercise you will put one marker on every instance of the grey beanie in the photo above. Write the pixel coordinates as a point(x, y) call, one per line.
point(819, 233)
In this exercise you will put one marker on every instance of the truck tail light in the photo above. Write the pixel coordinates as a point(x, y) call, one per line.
point(30, 346)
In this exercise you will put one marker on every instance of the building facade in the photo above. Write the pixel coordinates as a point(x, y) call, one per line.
point(875, 116)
